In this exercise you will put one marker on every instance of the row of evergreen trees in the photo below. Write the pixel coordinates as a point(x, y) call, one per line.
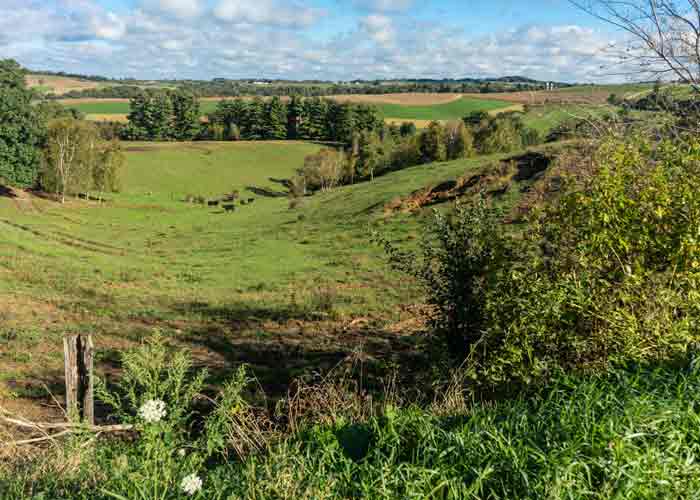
point(175, 116)
point(300, 118)
point(164, 116)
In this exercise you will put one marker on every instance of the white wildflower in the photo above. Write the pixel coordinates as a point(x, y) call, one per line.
point(191, 484)
point(181, 452)
point(152, 410)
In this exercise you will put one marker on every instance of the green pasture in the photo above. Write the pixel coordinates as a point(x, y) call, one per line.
point(454, 110)
point(225, 284)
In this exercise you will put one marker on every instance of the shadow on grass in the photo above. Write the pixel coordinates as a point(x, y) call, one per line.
point(268, 193)
point(282, 345)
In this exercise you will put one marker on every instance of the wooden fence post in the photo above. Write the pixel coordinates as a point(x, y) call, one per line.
point(78, 351)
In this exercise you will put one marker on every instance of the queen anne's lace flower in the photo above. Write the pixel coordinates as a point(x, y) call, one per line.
point(152, 410)
point(191, 484)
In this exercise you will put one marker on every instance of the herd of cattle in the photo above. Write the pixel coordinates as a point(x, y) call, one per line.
point(228, 203)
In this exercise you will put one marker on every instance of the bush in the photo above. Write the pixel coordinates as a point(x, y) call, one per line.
point(459, 256)
point(606, 273)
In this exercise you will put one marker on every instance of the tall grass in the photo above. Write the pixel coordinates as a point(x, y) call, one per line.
point(634, 433)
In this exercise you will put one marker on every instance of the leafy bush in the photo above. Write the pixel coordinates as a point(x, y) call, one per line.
point(460, 255)
point(606, 273)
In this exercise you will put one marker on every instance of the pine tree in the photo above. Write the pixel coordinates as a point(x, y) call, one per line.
point(344, 123)
point(186, 113)
point(275, 119)
point(294, 114)
point(255, 122)
point(317, 116)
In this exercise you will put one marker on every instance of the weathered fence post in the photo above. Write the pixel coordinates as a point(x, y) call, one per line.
point(78, 351)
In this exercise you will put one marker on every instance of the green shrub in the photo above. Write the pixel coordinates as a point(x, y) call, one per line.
point(606, 273)
point(459, 256)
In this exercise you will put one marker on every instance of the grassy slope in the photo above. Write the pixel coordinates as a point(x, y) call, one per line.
point(224, 284)
point(448, 111)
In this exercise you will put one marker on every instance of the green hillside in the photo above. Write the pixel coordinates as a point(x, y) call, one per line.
point(148, 259)
point(454, 110)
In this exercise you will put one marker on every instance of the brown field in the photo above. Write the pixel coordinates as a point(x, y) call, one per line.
point(408, 99)
point(96, 117)
point(60, 84)
point(565, 96)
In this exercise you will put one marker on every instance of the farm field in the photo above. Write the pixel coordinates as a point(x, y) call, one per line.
point(583, 94)
point(393, 107)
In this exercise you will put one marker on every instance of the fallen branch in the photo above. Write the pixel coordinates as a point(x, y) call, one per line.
point(63, 427)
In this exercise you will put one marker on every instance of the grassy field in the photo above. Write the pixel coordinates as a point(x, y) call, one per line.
point(454, 110)
point(288, 291)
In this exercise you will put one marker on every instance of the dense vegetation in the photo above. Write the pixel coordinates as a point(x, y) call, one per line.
point(22, 130)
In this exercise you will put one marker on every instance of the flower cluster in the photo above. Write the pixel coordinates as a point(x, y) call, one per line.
point(152, 410)
point(191, 484)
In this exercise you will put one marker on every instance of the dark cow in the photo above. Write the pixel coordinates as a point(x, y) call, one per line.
point(213, 203)
point(251, 200)
point(229, 208)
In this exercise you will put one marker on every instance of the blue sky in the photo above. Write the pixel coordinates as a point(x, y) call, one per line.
point(304, 39)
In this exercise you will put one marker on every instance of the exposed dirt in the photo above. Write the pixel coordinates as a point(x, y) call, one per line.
point(494, 180)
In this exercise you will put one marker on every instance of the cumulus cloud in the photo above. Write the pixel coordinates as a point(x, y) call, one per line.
point(267, 12)
point(380, 28)
point(276, 39)
point(182, 9)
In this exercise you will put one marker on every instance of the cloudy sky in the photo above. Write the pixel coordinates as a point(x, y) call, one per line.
point(306, 39)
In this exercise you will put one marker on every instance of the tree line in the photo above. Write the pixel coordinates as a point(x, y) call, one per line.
point(175, 115)
point(236, 88)
point(44, 145)
point(376, 152)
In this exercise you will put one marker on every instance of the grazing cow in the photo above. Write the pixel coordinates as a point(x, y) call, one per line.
point(214, 203)
point(242, 202)
point(229, 208)
point(251, 200)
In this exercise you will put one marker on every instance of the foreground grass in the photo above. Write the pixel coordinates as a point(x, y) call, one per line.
point(630, 434)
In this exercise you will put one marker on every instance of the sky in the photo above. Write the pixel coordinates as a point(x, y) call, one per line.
point(307, 39)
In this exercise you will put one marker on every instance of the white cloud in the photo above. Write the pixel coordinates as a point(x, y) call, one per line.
point(273, 38)
point(267, 12)
point(183, 9)
point(380, 28)
point(110, 26)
